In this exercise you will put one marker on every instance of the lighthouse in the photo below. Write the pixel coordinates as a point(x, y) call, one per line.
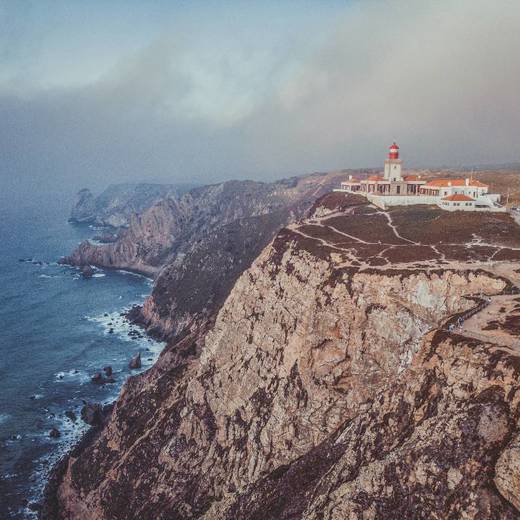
point(393, 165)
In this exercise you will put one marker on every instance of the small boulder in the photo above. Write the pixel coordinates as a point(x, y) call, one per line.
point(54, 433)
point(97, 378)
point(71, 415)
point(87, 271)
point(108, 370)
point(135, 362)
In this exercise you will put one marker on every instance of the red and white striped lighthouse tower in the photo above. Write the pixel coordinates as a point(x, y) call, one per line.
point(393, 164)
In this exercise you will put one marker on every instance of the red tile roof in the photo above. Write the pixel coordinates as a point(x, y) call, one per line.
point(411, 178)
point(458, 197)
point(376, 178)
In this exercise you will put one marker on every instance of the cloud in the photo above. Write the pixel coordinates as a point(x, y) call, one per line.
point(234, 100)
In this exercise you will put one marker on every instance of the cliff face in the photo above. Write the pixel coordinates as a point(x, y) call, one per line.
point(425, 448)
point(141, 247)
point(119, 202)
point(197, 245)
point(84, 207)
point(329, 385)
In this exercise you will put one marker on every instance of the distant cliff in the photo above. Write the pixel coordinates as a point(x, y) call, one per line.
point(198, 244)
point(330, 384)
point(116, 205)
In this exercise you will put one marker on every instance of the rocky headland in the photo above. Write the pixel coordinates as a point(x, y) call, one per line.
point(115, 206)
point(365, 365)
point(197, 245)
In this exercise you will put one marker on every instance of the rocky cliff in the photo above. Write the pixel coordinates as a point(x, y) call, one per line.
point(116, 205)
point(198, 244)
point(331, 383)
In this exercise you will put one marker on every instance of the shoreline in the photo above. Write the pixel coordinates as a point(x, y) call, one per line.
point(49, 500)
point(47, 505)
point(41, 499)
point(149, 275)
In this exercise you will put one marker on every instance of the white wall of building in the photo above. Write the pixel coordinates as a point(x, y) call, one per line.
point(384, 201)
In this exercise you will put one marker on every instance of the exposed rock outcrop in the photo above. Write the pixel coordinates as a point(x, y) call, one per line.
point(115, 206)
point(328, 386)
point(507, 472)
point(135, 362)
point(197, 245)
point(84, 208)
point(92, 414)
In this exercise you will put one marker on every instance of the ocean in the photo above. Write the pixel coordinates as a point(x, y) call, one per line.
point(57, 329)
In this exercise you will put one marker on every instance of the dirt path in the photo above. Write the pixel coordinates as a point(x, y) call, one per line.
point(394, 228)
point(483, 325)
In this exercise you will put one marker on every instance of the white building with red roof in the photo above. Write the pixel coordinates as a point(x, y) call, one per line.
point(394, 189)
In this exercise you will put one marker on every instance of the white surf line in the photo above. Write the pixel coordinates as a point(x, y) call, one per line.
point(392, 225)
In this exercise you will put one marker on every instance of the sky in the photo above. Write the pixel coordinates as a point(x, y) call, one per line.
point(98, 92)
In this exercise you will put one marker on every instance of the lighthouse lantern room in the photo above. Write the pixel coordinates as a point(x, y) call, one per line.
point(393, 165)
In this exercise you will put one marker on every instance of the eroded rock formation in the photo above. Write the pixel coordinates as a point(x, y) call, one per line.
point(115, 206)
point(197, 245)
point(330, 384)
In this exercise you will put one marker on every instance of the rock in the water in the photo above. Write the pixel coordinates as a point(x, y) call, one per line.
point(71, 415)
point(108, 370)
point(135, 362)
point(92, 414)
point(55, 433)
point(97, 378)
point(87, 271)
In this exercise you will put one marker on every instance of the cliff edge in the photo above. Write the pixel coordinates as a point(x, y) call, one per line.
point(335, 381)
point(198, 244)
